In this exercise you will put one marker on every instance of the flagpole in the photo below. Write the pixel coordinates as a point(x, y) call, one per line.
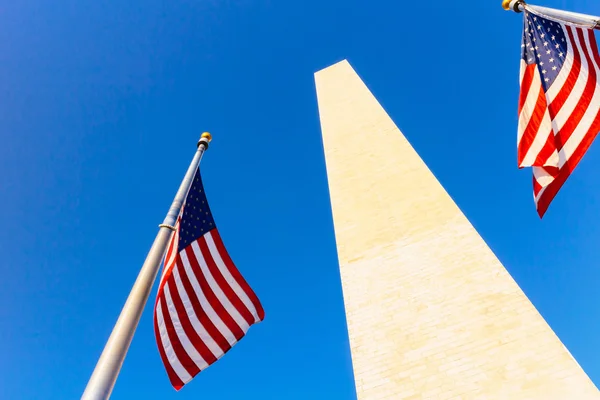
point(585, 20)
point(109, 364)
point(515, 5)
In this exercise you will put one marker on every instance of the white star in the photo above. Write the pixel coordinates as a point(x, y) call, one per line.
point(551, 60)
point(545, 43)
point(542, 35)
point(553, 37)
point(543, 71)
point(557, 45)
point(554, 68)
point(560, 54)
point(548, 52)
point(546, 80)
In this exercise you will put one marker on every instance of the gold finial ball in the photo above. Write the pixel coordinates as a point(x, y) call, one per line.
point(506, 4)
point(207, 135)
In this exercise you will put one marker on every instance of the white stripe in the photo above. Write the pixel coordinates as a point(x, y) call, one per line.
point(588, 118)
point(198, 327)
point(568, 108)
point(183, 338)
point(217, 290)
point(210, 312)
point(169, 352)
point(228, 277)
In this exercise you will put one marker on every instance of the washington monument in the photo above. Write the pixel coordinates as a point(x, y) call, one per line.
point(432, 313)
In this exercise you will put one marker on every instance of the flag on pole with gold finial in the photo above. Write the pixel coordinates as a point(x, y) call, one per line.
point(559, 101)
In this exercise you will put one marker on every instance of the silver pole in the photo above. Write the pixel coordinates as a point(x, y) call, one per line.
point(588, 21)
point(107, 369)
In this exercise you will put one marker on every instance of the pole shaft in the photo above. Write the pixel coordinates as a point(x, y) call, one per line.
point(109, 364)
point(589, 21)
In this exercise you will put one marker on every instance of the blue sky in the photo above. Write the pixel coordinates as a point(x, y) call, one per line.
point(100, 109)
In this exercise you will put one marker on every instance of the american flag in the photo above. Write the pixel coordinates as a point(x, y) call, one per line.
point(559, 104)
point(204, 306)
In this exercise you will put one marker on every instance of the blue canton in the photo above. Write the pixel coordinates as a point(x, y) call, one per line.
point(197, 218)
point(544, 42)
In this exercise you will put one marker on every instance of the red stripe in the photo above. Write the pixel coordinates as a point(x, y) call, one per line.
point(171, 247)
point(547, 151)
point(569, 84)
point(173, 377)
point(552, 189)
point(533, 126)
point(199, 311)
point(211, 297)
point(526, 84)
point(188, 364)
point(187, 326)
point(222, 282)
point(236, 274)
point(584, 101)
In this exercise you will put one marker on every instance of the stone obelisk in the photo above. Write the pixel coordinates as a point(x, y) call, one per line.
point(432, 313)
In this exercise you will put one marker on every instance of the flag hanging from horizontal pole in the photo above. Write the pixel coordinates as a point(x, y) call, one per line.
point(204, 306)
point(559, 102)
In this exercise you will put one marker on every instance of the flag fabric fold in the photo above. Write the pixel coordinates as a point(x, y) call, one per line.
point(559, 102)
point(204, 306)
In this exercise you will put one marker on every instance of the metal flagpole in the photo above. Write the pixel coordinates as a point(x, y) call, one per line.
point(584, 20)
point(107, 369)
